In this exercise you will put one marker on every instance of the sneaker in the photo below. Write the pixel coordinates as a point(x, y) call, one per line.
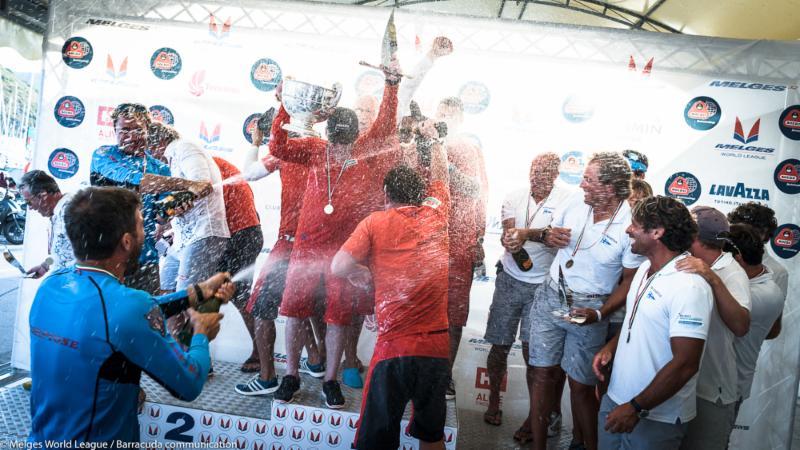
point(333, 394)
point(450, 394)
point(315, 370)
point(351, 377)
point(257, 386)
point(289, 385)
point(555, 425)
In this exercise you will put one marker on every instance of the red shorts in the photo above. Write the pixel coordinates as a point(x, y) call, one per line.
point(307, 270)
point(459, 285)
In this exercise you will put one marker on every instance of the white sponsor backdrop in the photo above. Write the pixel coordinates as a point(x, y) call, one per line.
point(527, 89)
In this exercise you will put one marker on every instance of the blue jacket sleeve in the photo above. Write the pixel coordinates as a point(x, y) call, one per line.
point(174, 303)
point(140, 333)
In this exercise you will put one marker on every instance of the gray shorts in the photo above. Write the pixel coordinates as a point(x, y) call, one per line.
point(555, 341)
point(646, 435)
point(145, 278)
point(268, 299)
point(511, 304)
point(192, 264)
point(711, 428)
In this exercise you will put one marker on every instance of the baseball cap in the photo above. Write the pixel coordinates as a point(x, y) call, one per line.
point(712, 225)
point(342, 126)
point(637, 160)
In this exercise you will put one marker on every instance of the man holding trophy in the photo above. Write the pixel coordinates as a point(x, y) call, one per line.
point(342, 172)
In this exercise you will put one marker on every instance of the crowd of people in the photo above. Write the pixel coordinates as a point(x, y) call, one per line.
point(654, 314)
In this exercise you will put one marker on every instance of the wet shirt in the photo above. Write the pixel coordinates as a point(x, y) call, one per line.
point(674, 304)
point(59, 245)
point(467, 214)
point(356, 184)
point(406, 249)
point(240, 206)
point(91, 339)
point(111, 167)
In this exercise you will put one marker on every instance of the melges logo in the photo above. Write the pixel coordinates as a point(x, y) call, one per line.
point(211, 138)
point(645, 70)
point(258, 444)
point(218, 31)
point(161, 114)
point(265, 74)
point(299, 415)
point(475, 97)
point(370, 82)
point(577, 108)
point(315, 436)
point(77, 52)
point(280, 412)
point(69, 111)
point(317, 417)
point(297, 434)
point(789, 122)
point(482, 379)
point(205, 437)
point(786, 240)
point(152, 430)
point(571, 169)
point(242, 425)
point(335, 420)
point(276, 446)
point(63, 163)
point(745, 85)
point(683, 186)
point(334, 439)
point(165, 63)
point(260, 428)
point(116, 72)
point(223, 439)
point(277, 431)
point(745, 151)
point(702, 113)
point(225, 422)
point(207, 420)
point(448, 436)
point(787, 176)
point(352, 422)
point(240, 443)
point(155, 412)
point(738, 191)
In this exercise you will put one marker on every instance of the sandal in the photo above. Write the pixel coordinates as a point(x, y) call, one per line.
point(495, 419)
point(251, 365)
point(523, 435)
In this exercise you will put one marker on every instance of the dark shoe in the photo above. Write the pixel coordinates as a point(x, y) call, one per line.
point(450, 394)
point(315, 370)
point(257, 386)
point(554, 427)
point(289, 385)
point(333, 394)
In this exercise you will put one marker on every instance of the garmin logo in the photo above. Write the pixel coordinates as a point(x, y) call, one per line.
point(743, 85)
point(114, 23)
point(739, 191)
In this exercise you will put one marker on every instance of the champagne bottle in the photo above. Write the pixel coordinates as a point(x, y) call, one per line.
point(166, 206)
point(523, 260)
point(187, 331)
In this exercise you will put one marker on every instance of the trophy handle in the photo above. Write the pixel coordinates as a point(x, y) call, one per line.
point(337, 94)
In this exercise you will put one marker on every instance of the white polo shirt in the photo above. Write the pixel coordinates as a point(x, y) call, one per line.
point(767, 300)
point(516, 206)
point(597, 266)
point(779, 274)
point(718, 378)
point(675, 304)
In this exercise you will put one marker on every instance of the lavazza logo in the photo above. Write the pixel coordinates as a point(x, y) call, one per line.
point(737, 194)
point(743, 147)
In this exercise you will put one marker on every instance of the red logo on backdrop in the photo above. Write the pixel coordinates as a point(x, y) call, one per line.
point(276, 446)
point(155, 412)
point(225, 423)
point(104, 116)
point(68, 109)
point(152, 430)
point(788, 173)
point(205, 437)
point(315, 436)
point(197, 85)
point(76, 50)
point(334, 439)
point(317, 417)
point(335, 420)
point(219, 31)
point(297, 433)
point(210, 138)
point(280, 412)
point(738, 132)
point(277, 431)
point(792, 119)
point(223, 439)
point(258, 445)
point(786, 238)
point(352, 422)
point(116, 72)
point(241, 443)
point(482, 379)
point(207, 420)
point(261, 427)
point(679, 186)
point(299, 415)
point(647, 67)
point(242, 425)
point(702, 110)
point(164, 61)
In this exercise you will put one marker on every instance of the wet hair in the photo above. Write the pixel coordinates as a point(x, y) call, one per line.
point(761, 217)
point(453, 102)
point(404, 185)
point(131, 110)
point(746, 241)
point(37, 181)
point(96, 219)
point(158, 132)
point(637, 160)
point(614, 171)
point(640, 186)
point(671, 215)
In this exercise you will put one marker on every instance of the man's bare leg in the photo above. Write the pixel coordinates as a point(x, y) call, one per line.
point(584, 409)
point(543, 399)
point(351, 343)
point(497, 366)
point(295, 339)
point(265, 337)
point(334, 345)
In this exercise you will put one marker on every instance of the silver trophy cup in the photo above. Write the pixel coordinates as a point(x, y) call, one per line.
point(308, 104)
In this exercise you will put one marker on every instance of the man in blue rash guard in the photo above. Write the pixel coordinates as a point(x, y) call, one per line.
point(124, 165)
point(92, 337)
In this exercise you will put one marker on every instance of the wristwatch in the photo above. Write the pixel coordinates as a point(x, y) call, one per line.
point(641, 412)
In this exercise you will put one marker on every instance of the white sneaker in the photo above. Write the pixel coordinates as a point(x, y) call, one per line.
point(315, 370)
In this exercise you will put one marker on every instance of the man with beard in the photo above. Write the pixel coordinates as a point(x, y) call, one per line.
point(92, 337)
point(124, 165)
point(42, 194)
point(656, 356)
point(345, 177)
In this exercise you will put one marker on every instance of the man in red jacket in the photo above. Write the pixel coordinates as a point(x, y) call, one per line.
point(345, 179)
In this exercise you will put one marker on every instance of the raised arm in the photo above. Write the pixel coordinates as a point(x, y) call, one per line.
point(298, 151)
